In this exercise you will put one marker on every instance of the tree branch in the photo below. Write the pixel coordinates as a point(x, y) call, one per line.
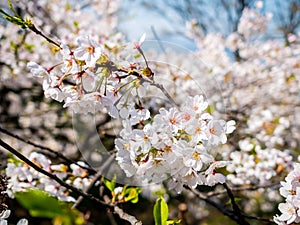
point(267, 220)
point(50, 175)
point(97, 176)
point(235, 207)
point(237, 189)
point(123, 215)
point(229, 213)
point(219, 207)
point(33, 28)
point(131, 219)
point(48, 150)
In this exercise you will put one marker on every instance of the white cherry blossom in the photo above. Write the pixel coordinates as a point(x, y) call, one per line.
point(88, 50)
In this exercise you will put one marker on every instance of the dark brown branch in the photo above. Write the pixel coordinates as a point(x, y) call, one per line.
point(123, 215)
point(96, 177)
point(33, 28)
point(235, 207)
point(232, 214)
point(50, 175)
point(131, 219)
point(237, 189)
point(267, 220)
point(46, 150)
point(219, 207)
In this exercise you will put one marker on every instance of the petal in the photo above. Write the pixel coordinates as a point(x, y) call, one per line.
point(142, 39)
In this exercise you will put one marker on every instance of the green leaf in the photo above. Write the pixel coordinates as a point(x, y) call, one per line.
point(13, 45)
point(160, 212)
point(210, 109)
point(12, 8)
point(147, 72)
point(29, 47)
point(173, 222)
point(110, 184)
point(13, 19)
point(76, 24)
point(13, 159)
point(41, 204)
point(106, 72)
point(103, 59)
point(68, 6)
point(138, 55)
point(132, 194)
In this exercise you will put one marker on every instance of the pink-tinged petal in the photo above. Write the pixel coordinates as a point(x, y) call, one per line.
point(142, 39)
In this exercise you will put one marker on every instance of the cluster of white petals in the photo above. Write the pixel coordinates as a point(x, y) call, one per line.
point(256, 165)
point(22, 177)
point(4, 216)
point(83, 96)
point(91, 72)
point(47, 15)
point(290, 190)
point(252, 23)
point(175, 146)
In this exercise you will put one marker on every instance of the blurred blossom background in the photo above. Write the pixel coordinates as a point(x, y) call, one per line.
point(169, 18)
point(241, 55)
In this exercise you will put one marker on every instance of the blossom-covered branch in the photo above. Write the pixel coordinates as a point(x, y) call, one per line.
point(117, 210)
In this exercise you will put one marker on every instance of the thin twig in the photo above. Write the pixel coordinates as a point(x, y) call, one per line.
point(49, 150)
point(158, 40)
point(33, 28)
point(267, 220)
point(96, 177)
point(114, 68)
point(50, 175)
point(229, 213)
point(131, 219)
point(123, 215)
point(161, 87)
point(222, 209)
point(235, 207)
point(237, 189)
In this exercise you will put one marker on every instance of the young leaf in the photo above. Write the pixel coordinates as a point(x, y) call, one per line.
point(160, 212)
point(132, 194)
point(110, 184)
point(12, 8)
point(41, 204)
point(173, 222)
point(16, 18)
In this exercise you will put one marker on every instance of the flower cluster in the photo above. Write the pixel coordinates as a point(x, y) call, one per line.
point(252, 23)
point(267, 127)
point(254, 165)
point(179, 144)
point(22, 177)
point(4, 216)
point(20, 47)
point(290, 190)
point(176, 145)
point(4, 211)
point(97, 84)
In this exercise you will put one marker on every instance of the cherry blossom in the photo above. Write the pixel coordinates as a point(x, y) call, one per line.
point(290, 189)
point(5, 214)
point(22, 177)
point(88, 50)
point(167, 146)
point(254, 88)
point(36, 70)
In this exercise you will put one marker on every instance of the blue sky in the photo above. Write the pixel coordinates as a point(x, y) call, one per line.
point(135, 19)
